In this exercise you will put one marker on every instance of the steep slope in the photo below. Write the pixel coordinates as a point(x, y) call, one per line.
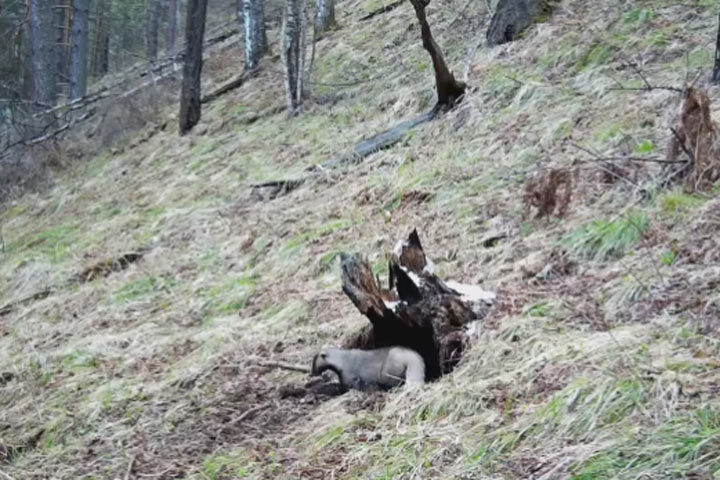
point(604, 366)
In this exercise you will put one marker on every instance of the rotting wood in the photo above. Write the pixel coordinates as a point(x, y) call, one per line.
point(270, 190)
point(376, 143)
point(417, 310)
point(106, 267)
point(225, 88)
point(696, 136)
point(384, 9)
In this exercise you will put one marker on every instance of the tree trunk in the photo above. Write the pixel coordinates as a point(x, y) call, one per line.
point(293, 52)
point(78, 57)
point(449, 90)
point(716, 68)
point(63, 11)
point(153, 23)
point(239, 11)
point(192, 69)
point(512, 17)
point(418, 310)
point(172, 24)
point(255, 38)
point(101, 55)
point(42, 52)
point(324, 17)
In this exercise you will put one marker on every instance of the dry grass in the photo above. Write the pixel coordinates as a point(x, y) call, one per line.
point(599, 361)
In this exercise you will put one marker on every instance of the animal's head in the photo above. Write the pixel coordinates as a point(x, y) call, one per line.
point(324, 360)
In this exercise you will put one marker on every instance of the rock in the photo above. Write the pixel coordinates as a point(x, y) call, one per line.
point(512, 17)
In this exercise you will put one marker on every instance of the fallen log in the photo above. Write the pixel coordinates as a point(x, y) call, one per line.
point(225, 88)
point(380, 141)
point(384, 9)
point(418, 310)
point(275, 188)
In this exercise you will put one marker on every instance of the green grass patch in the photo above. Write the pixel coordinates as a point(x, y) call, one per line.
point(605, 239)
point(685, 446)
point(143, 287)
point(316, 233)
point(677, 201)
point(232, 294)
point(597, 55)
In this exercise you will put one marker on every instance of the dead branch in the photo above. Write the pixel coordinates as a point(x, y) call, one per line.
point(283, 366)
point(384, 9)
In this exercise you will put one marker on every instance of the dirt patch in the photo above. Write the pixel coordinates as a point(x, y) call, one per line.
point(238, 409)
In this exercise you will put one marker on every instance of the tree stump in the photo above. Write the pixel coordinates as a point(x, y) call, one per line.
point(417, 310)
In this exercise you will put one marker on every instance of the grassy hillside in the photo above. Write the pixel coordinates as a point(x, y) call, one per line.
point(604, 365)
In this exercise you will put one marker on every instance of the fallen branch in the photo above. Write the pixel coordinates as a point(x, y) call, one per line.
point(10, 307)
point(647, 86)
point(387, 8)
point(283, 366)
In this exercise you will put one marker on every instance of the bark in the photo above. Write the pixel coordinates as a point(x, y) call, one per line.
point(63, 11)
point(293, 52)
point(101, 54)
point(78, 57)
point(239, 11)
point(192, 69)
point(716, 68)
point(42, 43)
point(417, 310)
point(324, 17)
point(512, 17)
point(153, 24)
point(449, 90)
point(172, 24)
point(255, 37)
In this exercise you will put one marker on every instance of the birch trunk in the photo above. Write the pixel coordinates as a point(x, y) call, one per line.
point(255, 38)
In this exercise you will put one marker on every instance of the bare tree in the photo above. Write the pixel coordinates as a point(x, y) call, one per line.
point(324, 16)
point(152, 27)
point(449, 90)
point(192, 69)
point(42, 51)
point(78, 54)
point(255, 38)
point(293, 52)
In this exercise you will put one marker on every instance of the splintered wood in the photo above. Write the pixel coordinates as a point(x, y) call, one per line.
point(417, 310)
point(695, 138)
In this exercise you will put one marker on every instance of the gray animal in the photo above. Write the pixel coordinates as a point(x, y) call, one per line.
point(382, 368)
